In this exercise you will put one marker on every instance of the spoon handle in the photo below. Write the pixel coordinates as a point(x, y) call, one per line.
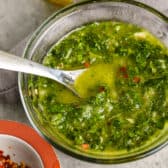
point(14, 63)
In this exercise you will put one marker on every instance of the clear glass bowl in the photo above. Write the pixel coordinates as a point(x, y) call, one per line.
point(64, 21)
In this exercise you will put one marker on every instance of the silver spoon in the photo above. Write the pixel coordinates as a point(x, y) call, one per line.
point(15, 63)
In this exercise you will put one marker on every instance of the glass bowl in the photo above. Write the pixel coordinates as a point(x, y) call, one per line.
point(63, 22)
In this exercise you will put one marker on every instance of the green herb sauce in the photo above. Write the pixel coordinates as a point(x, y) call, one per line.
point(124, 90)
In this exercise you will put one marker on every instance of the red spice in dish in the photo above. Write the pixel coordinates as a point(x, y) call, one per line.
point(123, 71)
point(87, 64)
point(136, 79)
point(6, 162)
point(85, 146)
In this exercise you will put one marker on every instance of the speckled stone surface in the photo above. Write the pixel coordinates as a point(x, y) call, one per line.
point(18, 19)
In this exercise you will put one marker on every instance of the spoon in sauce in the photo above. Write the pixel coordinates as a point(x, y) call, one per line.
point(14, 63)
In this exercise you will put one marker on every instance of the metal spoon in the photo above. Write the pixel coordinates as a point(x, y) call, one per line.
point(15, 63)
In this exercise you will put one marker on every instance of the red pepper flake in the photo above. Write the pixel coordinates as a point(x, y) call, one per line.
point(6, 162)
point(1, 152)
point(101, 89)
point(85, 146)
point(125, 76)
point(86, 64)
point(136, 79)
point(123, 69)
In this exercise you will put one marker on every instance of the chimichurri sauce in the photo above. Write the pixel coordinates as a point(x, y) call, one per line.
point(124, 90)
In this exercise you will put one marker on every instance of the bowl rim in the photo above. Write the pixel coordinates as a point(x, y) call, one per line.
point(20, 75)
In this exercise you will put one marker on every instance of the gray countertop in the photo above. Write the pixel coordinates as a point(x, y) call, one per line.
point(18, 19)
